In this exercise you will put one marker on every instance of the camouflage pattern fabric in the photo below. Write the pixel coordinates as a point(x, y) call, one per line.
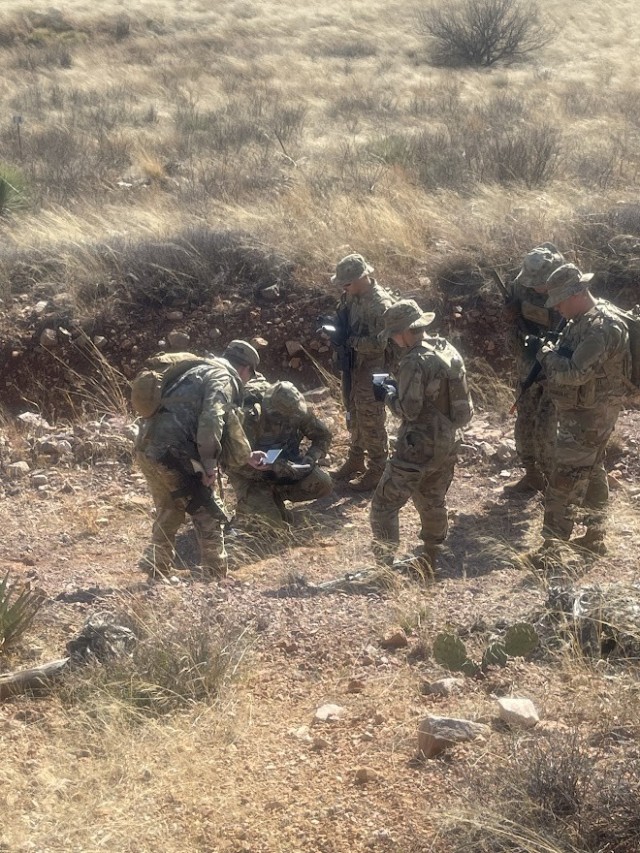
point(536, 419)
point(367, 417)
point(587, 390)
point(303, 439)
point(423, 464)
point(191, 426)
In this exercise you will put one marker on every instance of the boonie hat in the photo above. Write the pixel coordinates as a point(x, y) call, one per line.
point(241, 352)
point(538, 264)
point(406, 314)
point(564, 282)
point(285, 399)
point(351, 268)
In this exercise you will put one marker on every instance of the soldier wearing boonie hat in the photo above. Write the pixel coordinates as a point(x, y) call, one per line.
point(363, 302)
point(586, 373)
point(422, 465)
point(278, 417)
point(535, 426)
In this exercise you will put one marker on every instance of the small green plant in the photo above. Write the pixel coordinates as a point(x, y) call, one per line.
point(18, 606)
point(12, 190)
point(519, 641)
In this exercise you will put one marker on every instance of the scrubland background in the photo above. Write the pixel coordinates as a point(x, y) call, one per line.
point(318, 129)
point(172, 158)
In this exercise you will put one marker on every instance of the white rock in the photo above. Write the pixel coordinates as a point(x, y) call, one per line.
point(178, 340)
point(49, 338)
point(518, 712)
point(444, 686)
point(487, 449)
point(18, 470)
point(506, 450)
point(329, 712)
point(435, 734)
point(293, 347)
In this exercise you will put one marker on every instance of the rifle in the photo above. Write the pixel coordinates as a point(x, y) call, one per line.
point(193, 488)
point(338, 331)
point(536, 368)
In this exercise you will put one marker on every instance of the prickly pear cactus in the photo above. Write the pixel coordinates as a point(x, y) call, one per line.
point(450, 651)
point(494, 655)
point(520, 640)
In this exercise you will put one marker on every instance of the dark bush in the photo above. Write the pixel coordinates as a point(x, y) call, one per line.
point(483, 32)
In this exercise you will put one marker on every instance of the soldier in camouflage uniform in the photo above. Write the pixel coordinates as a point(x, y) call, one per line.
point(536, 418)
point(587, 372)
point(365, 302)
point(197, 422)
point(424, 460)
point(277, 417)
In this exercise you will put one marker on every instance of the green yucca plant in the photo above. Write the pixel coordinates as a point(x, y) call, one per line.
point(12, 189)
point(18, 606)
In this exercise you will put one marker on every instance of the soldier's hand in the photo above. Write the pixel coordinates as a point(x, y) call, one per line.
point(256, 459)
point(544, 351)
point(208, 478)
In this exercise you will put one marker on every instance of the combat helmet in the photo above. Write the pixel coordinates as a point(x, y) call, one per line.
point(284, 399)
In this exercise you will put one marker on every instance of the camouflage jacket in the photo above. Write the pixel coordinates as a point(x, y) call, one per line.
point(266, 431)
point(595, 374)
point(422, 398)
point(365, 324)
point(198, 420)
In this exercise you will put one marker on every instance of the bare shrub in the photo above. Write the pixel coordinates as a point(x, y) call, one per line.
point(527, 155)
point(172, 667)
point(555, 795)
point(483, 32)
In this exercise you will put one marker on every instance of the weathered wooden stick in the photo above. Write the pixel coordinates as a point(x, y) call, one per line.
point(38, 678)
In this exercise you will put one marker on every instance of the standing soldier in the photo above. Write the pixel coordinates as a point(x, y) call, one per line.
point(433, 401)
point(587, 372)
point(196, 423)
point(364, 303)
point(536, 419)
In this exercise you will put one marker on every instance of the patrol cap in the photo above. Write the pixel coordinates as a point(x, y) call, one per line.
point(538, 264)
point(351, 268)
point(406, 314)
point(242, 353)
point(564, 282)
point(284, 399)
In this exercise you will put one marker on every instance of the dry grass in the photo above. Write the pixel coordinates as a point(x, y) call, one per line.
point(176, 153)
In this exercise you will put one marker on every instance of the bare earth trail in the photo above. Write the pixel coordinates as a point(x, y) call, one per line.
point(257, 772)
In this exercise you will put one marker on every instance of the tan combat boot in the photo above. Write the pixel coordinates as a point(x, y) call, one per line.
point(350, 467)
point(593, 541)
point(533, 481)
point(367, 482)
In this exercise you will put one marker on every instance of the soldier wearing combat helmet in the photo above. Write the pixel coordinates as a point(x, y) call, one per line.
point(276, 417)
point(364, 303)
point(535, 426)
point(587, 371)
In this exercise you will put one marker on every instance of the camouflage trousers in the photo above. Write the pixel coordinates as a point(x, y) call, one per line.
point(367, 423)
point(261, 502)
point(535, 429)
point(170, 515)
point(427, 487)
point(578, 478)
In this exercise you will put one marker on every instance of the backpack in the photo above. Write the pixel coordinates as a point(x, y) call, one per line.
point(460, 404)
point(160, 372)
point(631, 319)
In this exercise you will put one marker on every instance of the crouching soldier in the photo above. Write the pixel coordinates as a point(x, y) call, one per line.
point(276, 417)
point(179, 448)
point(432, 399)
